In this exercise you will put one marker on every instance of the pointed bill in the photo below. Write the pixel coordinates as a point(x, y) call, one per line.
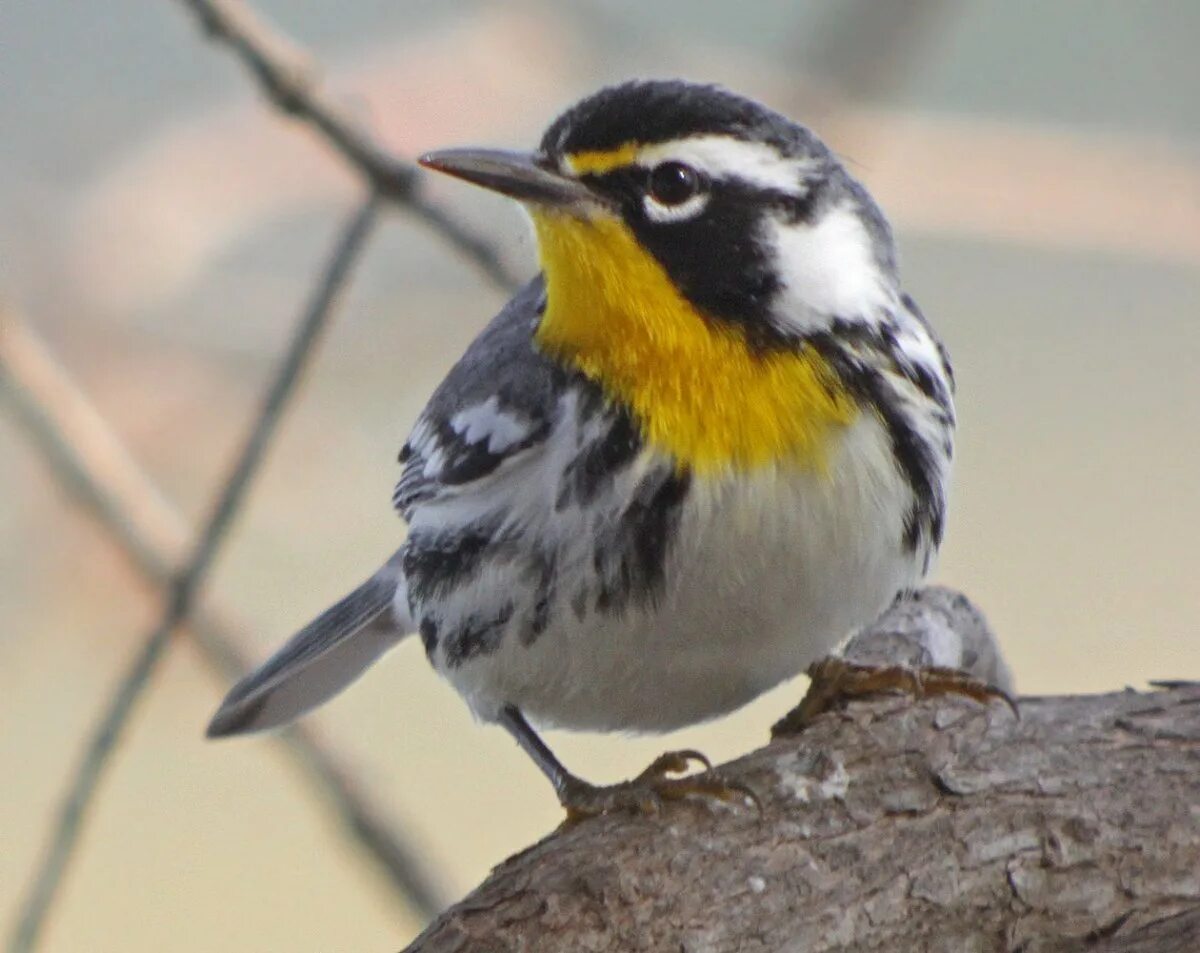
point(515, 174)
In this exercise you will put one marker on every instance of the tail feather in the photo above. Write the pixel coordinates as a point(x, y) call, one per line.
point(318, 661)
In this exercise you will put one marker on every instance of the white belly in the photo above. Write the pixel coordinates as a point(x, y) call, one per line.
point(767, 573)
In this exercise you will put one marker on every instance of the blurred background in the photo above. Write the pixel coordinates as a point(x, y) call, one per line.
point(161, 227)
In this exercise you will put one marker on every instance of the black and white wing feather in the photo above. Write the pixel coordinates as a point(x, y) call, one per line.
point(509, 487)
point(498, 402)
point(527, 497)
point(495, 407)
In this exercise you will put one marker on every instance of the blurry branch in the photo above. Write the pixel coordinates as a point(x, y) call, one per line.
point(99, 749)
point(288, 78)
point(85, 454)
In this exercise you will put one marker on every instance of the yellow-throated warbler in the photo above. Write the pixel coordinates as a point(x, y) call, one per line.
point(709, 440)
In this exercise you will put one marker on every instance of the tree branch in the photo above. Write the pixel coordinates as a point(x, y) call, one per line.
point(87, 457)
point(98, 751)
point(286, 76)
point(894, 824)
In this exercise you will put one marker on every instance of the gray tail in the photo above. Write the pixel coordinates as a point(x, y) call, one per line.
point(318, 661)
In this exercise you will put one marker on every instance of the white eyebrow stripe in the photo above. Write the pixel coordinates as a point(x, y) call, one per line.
point(721, 157)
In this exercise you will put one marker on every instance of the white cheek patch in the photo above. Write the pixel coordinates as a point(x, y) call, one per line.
point(720, 157)
point(827, 268)
point(664, 214)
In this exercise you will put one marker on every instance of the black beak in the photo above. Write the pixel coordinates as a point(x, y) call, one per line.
point(515, 174)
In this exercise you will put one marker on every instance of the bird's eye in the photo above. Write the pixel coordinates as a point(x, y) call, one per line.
point(673, 183)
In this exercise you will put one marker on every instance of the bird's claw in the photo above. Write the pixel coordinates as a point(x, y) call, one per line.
point(672, 762)
point(646, 793)
point(834, 680)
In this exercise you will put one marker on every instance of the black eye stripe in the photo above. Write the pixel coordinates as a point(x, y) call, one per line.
point(626, 179)
point(631, 181)
point(628, 186)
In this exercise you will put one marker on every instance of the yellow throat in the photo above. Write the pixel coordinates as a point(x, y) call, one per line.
point(697, 388)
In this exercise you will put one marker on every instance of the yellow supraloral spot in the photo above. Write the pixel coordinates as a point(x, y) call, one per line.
point(599, 162)
point(701, 393)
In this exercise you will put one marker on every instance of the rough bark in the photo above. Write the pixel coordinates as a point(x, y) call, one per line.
point(894, 824)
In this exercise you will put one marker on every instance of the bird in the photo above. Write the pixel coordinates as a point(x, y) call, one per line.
point(710, 439)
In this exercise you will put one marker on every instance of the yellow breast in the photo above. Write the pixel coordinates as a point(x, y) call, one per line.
point(700, 392)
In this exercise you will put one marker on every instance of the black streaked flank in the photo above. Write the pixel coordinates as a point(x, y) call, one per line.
point(435, 564)
point(630, 557)
point(916, 459)
point(428, 630)
point(597, 463)
point(924, 522)
point(477, 635)
point(944, 355)
point(544, 569)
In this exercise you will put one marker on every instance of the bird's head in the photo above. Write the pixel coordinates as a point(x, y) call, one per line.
point(747, 215)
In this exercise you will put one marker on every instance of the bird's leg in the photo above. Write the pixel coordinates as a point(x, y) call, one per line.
point(834, 680)
point(644, 794)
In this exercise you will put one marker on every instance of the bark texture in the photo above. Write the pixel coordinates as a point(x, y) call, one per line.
point(894, 824)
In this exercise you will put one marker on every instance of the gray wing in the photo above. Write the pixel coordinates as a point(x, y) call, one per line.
point(493, 518)
point(497, 406)
point(318, 661)
point(499, 401)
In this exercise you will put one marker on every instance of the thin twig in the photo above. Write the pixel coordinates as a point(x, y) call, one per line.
point(286, 76)
point(99, 749)
point(85, 454)
point(88, 458)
